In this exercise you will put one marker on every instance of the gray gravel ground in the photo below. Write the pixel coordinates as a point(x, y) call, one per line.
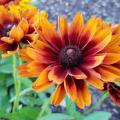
point(106, 9)
point(109, 10)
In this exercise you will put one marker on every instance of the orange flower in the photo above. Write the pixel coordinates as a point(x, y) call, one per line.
point(114, 92)
point(16, 27)
point(71, 57)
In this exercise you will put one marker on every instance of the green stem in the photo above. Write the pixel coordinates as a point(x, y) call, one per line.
point(15, 80)
point(17, 83)
point(22, 93)
point(104, 96)
point(45, 106)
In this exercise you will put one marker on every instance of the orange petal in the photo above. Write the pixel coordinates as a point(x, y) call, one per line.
point(29, 13)
point(107, 75)
point(113, 69)
point(58, 95)
point(88, 32)
point(37, 56)
point(96, 82)
point(49, 34)
point(23, 71)
point(80, 100)
point(16, 33)
point(26, 74)
point(3, 45)
point(24, 25)
point(22, 67)
point(84, 93)
point(24, 55)
point(93, 61)
point(77, 73)
point(42, 83)
point(4, 14)
point(70, 88)
point(57, 74)
point(35, 66)
point(114, 92)
point(63, 29)
point(111, 58)
point(42, 46)
point(113, 46)
point(14, 10)
point(76, 27)
point(102, 39)
point(7, 40)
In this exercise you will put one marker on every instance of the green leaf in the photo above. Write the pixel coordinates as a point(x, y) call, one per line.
point(27, 113)
point(57, 116)
point(98, 116)
point(27, 82)
point(71, 109)
point(6, 68)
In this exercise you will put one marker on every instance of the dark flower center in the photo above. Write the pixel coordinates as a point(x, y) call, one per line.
point(70, 56)
point(7, 29)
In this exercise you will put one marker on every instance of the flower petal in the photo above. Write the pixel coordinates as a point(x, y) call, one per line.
point(70, 88)
point(24, 55)
point(16, 33)
point(106, 74)
point(114, 92)
point(49, 35)
point(58, 95)
point(57, 74)
point(63, 30)
point(29, 13)
point(24, 25)
point(35, 67)
point(83, 92)
point(77, 73)
point(96, 82)
point(42, 83)
point(7, 40)
point(111, 58)
point(93, 61)
point(113, 69)
point(102, 39)
point(3, 45)
point(37, 56)
point(76, 28)
point(88, 32)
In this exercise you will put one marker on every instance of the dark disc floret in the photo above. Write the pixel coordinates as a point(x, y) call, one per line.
point(7, 29)
point(70, 56)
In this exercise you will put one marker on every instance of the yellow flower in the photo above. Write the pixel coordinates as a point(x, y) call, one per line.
point(16, 27)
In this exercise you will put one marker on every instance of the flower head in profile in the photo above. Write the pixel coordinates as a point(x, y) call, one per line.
point(16, 28)
point(114, 92)
point(71, 57)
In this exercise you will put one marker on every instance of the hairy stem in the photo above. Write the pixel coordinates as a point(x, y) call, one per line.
point(17, 83)
point(45, 106)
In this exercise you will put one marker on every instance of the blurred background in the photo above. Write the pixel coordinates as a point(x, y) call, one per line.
point(109, 10)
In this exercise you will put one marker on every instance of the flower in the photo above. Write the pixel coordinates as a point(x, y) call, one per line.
point(17, 27)
point(114, 92)
point(70, 58)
